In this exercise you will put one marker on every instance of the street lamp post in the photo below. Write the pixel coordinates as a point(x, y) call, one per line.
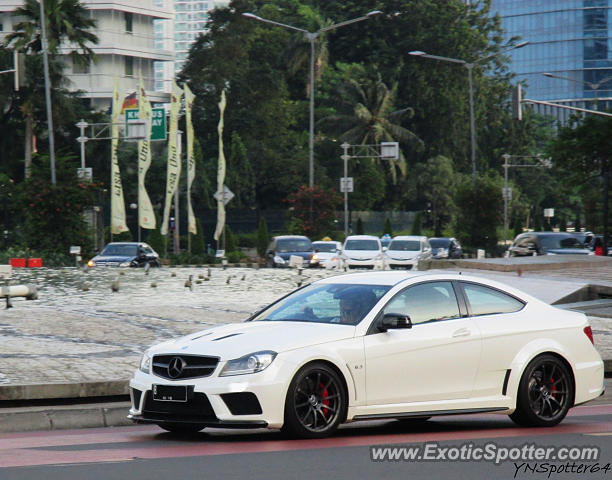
point(470, 67)
point(594, 86)
point(312, 37)
point(507, 192)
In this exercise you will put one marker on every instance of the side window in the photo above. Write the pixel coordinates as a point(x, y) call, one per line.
point(487, 301)
point(427, 302)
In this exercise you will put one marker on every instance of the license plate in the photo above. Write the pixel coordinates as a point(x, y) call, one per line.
point(170, 393)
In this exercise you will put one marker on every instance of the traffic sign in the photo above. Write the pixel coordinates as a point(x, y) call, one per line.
point(346, 184)
point(158, 122)
point(227, 195)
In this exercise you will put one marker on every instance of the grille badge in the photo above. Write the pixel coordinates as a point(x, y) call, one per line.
point(175, 367)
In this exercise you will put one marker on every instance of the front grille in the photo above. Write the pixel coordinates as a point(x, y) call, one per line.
point(136, 394)
point(193, 366)
point(242, 403)
point(197, 408)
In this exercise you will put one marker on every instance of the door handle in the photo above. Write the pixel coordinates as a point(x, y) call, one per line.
point(462, 332)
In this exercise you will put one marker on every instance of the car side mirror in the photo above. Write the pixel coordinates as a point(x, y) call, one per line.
point(394, 321)
point(384, 249)
point(270, 253)
point(317, 250)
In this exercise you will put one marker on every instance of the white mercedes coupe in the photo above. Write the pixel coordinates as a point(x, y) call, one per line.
point(374, 345)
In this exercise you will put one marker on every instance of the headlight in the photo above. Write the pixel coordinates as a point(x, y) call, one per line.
point(125, 264)
point(145, 363)
point(251, 363)
point(91, 263)
point(315, 258)
point(278, 259)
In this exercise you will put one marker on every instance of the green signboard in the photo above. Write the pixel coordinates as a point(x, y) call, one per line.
point(158, 126)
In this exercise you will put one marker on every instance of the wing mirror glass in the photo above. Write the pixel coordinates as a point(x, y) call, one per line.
point(394, 321)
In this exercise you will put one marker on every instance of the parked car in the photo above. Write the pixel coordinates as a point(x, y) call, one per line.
point(586, 238)
point(547, 243)
point(327, 253)
point(413, 344)
point(125, 254)
point(363, 251)
point(281, 249)
point(595, 238)
point(407, 251)
point(445, 247)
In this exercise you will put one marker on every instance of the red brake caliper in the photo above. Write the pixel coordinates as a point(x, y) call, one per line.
point(553, 389)
point(324, 399)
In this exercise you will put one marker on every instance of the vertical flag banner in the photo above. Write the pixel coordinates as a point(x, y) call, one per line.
point(174, 162)
point(118, 223)
point(220, 172)
point(189, 97)
point(146, 217)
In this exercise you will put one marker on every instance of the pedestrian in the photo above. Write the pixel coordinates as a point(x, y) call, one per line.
point(599, 250)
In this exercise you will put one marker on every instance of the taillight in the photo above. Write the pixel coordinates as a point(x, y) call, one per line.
point(589, 333)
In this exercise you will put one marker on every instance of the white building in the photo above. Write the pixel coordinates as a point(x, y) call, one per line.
point(189, 22)
point(126, 47)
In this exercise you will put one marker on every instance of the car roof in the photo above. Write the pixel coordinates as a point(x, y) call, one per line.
point(326, 241)
point(284, 237)
point(125, 243)
point(362, 237)
point(393, 278)
point(410, 237)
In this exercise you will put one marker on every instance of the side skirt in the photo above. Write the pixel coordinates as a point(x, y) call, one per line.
point(432, 413)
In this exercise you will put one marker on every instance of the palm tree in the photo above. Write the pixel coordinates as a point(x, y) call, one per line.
point(297, 54)
point(374, 120)
point(68, 24)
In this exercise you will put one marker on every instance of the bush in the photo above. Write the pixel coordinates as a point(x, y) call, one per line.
point(387, 228)
point(359, 227)
point(235, 257)
point(198, 245)
point(247, 240)
point(417, 225)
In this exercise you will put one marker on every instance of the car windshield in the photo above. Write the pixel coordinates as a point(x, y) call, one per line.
point(405, 245)
point(329, 303)
point(325, 247)
point(284, 245)
point(120, 250)
point(362, 244)
point(439, 242)
point(554, 241)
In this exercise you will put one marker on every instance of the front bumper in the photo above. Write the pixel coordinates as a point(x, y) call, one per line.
point(401, 263)
point(241, 401)
point(362, 263)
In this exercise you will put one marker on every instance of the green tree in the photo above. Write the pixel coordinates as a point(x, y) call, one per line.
point(437, 181)
point(373, 117)
point(417, 227)
point(240, 174)
point(263, 237)
point(198, 241)
point(479, 206)
point(157, 241)
point(359, 227)
point(387, 228)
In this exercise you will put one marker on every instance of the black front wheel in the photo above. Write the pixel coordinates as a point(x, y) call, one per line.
point(316, 402)
point(545, 393)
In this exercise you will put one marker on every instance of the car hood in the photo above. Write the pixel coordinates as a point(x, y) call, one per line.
point(361, 254)
point(238, 339)
point(113, 258)
point(287, 255)
point(402, 255)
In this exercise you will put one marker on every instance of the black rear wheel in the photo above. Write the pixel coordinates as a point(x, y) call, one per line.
point(545, 393)
point(316, 402)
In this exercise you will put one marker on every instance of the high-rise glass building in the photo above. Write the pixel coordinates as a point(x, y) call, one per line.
point(190, 18)
point(570, 41)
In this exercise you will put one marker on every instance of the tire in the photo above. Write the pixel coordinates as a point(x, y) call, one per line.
point(316, 402)
point(181, 428)
point(545, 393)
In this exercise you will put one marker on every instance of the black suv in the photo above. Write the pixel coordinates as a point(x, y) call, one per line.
point(281, 249)
point(547, 243)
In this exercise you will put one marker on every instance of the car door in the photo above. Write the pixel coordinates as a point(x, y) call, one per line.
point(436, 359)
point(504, 328)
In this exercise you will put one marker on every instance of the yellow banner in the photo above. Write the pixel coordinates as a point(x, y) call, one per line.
point(146, 217)
point(174, 162)
point(118, 223)
point(220, 172)
point(189, 98)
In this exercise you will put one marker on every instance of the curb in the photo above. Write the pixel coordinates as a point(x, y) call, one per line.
point(64, 390)
point(27, 419)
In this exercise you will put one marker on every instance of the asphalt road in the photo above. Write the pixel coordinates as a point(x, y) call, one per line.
point(146, 452)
